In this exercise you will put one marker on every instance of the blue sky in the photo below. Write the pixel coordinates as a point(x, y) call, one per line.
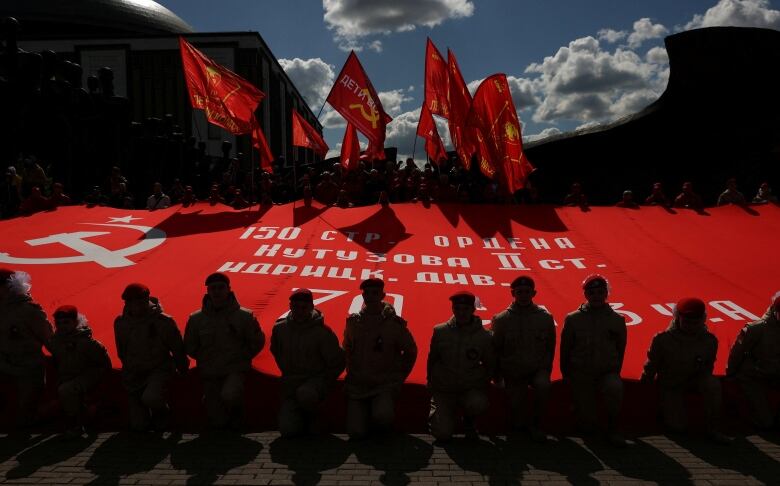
point(570, 63)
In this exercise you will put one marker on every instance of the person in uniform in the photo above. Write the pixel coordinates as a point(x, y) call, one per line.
point(308, 354)
point(683, 358)
point(593, 343)
point(223, 338)
point(24, 330)
point(461, 363)
point(81, 362)
point(524, 339)
point(380, 353)
point(151, 350)
point(754, 361)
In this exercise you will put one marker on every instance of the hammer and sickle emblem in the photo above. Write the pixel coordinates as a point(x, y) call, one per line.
point(373, 116)
point(215, 79)
point(512, 133)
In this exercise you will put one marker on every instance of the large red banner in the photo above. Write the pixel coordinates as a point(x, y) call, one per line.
point(651, 256)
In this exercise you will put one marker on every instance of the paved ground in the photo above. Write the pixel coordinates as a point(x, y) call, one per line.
point(124, 458)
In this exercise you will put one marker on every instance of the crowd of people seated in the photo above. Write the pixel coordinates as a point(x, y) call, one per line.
point(69, 145)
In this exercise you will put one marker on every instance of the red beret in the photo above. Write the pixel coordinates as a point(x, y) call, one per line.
point(217, 277)
point(135, 291)
point(463, 297)
point(5, 274)
point(523, 280)
point(690, 307)
point(595, 280)
point(372, 282)
point(302, 294)
point(66, 312)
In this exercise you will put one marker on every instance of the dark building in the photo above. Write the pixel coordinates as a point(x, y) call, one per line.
point(719, 117)
point(139, 42)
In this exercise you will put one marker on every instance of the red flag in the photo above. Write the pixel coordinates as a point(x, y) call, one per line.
point(493, 113)
point(304, 135)
point(436, 82)
point(426, 128)
point(374, 152)
point(259, 142)
point(355, 98)
point(228, 100)
point(460, 104)
point(350, 148)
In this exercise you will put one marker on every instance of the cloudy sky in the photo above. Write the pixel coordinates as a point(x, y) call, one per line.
point(570, 63)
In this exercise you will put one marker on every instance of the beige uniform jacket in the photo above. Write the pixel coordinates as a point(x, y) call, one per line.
point(77, 353)
point(677, 358)
point(756, 352)
point(223, 341)
point(524, 338)
point(306, 350)
point(593, 342)
point(461, 358)
point(24, 329)
point(148, 343)
point(380, 352)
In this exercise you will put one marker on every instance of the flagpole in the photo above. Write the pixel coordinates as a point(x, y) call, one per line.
point(414, 148)
point(252, 171)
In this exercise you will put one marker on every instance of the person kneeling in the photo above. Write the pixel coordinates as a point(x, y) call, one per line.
point(380, 354)
point(308, 354)
point(683, 357)
point(461, 363)
point(223, 338)
point(81, 362)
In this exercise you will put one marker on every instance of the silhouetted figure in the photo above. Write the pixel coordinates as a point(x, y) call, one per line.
point(688, 199)
point(627, 201)
point(731, 195)
point(764, 195)
point(576, 196)
point(657, 197)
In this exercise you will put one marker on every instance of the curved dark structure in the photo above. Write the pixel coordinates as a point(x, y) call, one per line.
point(719, 117)
point(42, 19)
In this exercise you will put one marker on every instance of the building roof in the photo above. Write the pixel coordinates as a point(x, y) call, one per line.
point(91, 18)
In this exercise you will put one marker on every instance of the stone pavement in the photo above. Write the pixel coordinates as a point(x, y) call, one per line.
point(265, 458)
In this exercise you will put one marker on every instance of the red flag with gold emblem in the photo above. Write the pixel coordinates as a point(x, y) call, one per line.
point(426, 128)
point(460, 103)
point(350, 148)
point(493, 113)
point(436, 82)
point(261, 144)
point(304, 135)
point(228, 100)
point(355, 98)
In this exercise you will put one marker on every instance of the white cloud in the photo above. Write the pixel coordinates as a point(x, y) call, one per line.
point(612, 36)
point(645, 29)
point(657, 55)
point(355, 19)
point(313, 78)
point(585, 83)
point(393, 100)
point(547, 132)
point(585, 126)
point(376, 46)
point(738, 13)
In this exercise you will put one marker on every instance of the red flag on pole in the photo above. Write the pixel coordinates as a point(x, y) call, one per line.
point(436, 82)
point(493, 113)
point(304, 135)
point(228, 100)
point(374, 152)
point(426, 128)
point(460, 104)
point(355, 98)
point(350, 148)
point(261, 144)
